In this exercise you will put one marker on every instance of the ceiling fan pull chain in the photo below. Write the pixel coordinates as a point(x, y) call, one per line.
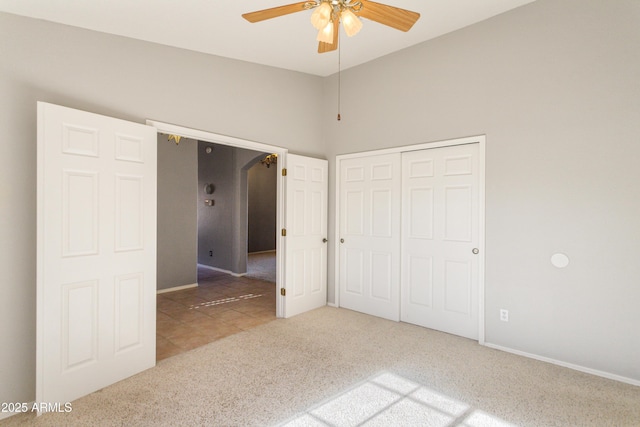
point(339, 74)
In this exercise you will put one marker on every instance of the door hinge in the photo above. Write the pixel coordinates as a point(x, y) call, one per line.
point(284, 232)
point(283, 292)
point(284, 171)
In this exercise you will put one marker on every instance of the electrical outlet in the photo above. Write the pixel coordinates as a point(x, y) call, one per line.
point(504, 315)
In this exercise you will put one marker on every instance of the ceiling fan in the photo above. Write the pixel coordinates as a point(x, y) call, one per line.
point(329, 13)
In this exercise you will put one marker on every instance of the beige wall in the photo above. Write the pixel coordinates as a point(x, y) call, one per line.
point(555, 87)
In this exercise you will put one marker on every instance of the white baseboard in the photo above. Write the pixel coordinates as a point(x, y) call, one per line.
point(263, 252)
point(584, 369)
point(208, 267)
point(177, 288)
point(331, 304)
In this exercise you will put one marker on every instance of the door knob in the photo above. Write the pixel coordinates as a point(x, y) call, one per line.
point(324, 240)
point(475, 251)
point(341, 240)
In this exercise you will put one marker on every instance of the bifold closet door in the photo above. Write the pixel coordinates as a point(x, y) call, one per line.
point(370, 235)
point(440, 237)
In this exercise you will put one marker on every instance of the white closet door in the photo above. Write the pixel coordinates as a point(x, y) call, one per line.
point(96, 274)
point(370, 235)
point(440, 230)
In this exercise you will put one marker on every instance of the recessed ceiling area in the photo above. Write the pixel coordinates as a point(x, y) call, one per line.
point(216, 27)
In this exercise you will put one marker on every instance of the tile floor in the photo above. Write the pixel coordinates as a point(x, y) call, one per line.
point(220, 306)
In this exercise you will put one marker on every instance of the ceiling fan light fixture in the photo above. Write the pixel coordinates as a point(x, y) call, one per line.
point(326, 34)
point(321, 16)
point(350, 22)
point(327, 14)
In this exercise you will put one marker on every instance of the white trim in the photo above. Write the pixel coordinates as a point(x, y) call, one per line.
point(415, 147)
point(201, 135)
point(481, 141)
point(481, 238)
point(336, 238)
point(584, 369)
point(40, 240)
point(208, 267)
point(330, 304)
point(177, 288)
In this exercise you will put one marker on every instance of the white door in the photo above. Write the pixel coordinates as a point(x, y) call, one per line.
point(96, 259)
point(440, 235)
point(370, 235)
point(306, 238)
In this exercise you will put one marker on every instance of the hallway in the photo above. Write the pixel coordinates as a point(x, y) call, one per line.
point(220, 306)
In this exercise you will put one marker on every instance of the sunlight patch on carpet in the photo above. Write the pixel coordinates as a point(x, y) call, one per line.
point(389, 399)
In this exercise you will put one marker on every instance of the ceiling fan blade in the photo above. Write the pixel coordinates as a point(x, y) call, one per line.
point(400, 19)
point(328, 47)
point(274, 12)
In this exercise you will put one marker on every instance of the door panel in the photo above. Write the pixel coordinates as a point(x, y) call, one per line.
point(381, 213)
point(79, 213)
point(419, 213)
point(305, 248)
point(457, 287)
point(129, 321)
point(79, 325)
point(370, 228)
point(96, 251)
point(420, 280)
point(354, 210)
point(381, 276)
point(439, 282)
point(353, 271)
point(458, 214)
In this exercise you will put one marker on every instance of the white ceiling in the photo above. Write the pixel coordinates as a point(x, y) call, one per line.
point(216, 27)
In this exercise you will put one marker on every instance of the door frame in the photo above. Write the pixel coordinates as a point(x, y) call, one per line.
point(200, 135)
point(481, 141)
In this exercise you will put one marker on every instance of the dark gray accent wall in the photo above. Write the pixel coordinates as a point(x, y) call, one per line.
point(262, 207)
point(222, 228)
point(177, 215)
point(216, 223)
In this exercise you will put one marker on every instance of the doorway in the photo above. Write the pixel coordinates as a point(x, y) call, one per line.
point(169, 129)
point(303, 202)
point(203, 240)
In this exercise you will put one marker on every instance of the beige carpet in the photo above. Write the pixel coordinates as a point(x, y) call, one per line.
point(262, 265)
point(337, 367)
